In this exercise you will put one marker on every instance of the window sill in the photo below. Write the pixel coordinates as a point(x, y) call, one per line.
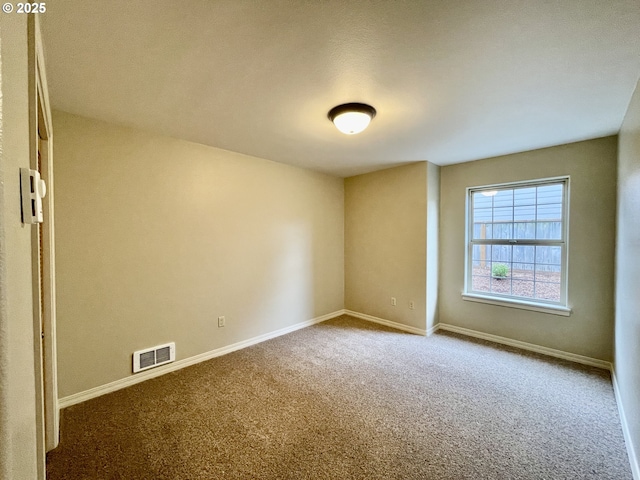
point(536, 307)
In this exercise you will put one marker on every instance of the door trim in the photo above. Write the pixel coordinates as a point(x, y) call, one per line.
point(52, 411)
point(44, 287)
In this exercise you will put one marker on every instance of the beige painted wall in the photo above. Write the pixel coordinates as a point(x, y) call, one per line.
point(157, 237)
point(627, 325)
point(386, 243)
point(18, 446)
point(592, 167)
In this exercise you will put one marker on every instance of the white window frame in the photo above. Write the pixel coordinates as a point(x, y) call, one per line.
point(546, 306)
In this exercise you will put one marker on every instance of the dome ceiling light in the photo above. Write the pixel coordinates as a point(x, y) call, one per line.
point(352, 118)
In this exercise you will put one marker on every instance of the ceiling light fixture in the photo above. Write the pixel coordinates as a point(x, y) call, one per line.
point(352, 118)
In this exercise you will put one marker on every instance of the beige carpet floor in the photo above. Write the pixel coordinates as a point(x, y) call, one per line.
point(347, 399)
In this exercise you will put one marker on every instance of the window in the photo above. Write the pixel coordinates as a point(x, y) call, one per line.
point(517, 244)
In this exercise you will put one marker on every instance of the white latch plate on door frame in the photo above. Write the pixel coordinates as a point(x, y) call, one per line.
point(33, 190)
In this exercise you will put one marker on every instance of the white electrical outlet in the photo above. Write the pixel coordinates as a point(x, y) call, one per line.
point(411, 305)
point(393, 301)
point(221, 321)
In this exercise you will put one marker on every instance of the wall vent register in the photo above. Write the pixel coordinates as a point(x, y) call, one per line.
point(153, 357)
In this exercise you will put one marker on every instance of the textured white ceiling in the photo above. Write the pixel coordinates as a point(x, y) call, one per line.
point(452, 80)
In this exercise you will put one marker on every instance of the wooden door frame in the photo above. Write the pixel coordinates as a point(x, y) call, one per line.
point(44, 288)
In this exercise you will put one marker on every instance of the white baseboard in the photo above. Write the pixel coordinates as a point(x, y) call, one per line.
point(432, 330)
point(388, 323)
point(572, 357)
point(186, 362)
point(631, 452)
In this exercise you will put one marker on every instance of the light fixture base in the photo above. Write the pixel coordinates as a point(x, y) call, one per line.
point(352, 118)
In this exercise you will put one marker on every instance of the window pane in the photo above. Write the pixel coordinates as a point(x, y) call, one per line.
point(501, 253)
point(481, 255)
point(482, 230)
point(503, 230)
point(481, 268)
point(548, 256)
point(504, 198)
point(524, 196)
point(501, 269)
point(547, 291)
point(524, 231)
point(523, 271)
point(483, 215)
point(549, 212)
point(547, 274)
point(549, 222)
point(549, 194)
point(525, 217)
point(525, 213)
point(520, 213)
point(482, 201)
point(480, 283)
point(519, 279)
point(523, 262)
point(503, 214)
point(501, 285)
point(549, 230)
point(523, 288)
